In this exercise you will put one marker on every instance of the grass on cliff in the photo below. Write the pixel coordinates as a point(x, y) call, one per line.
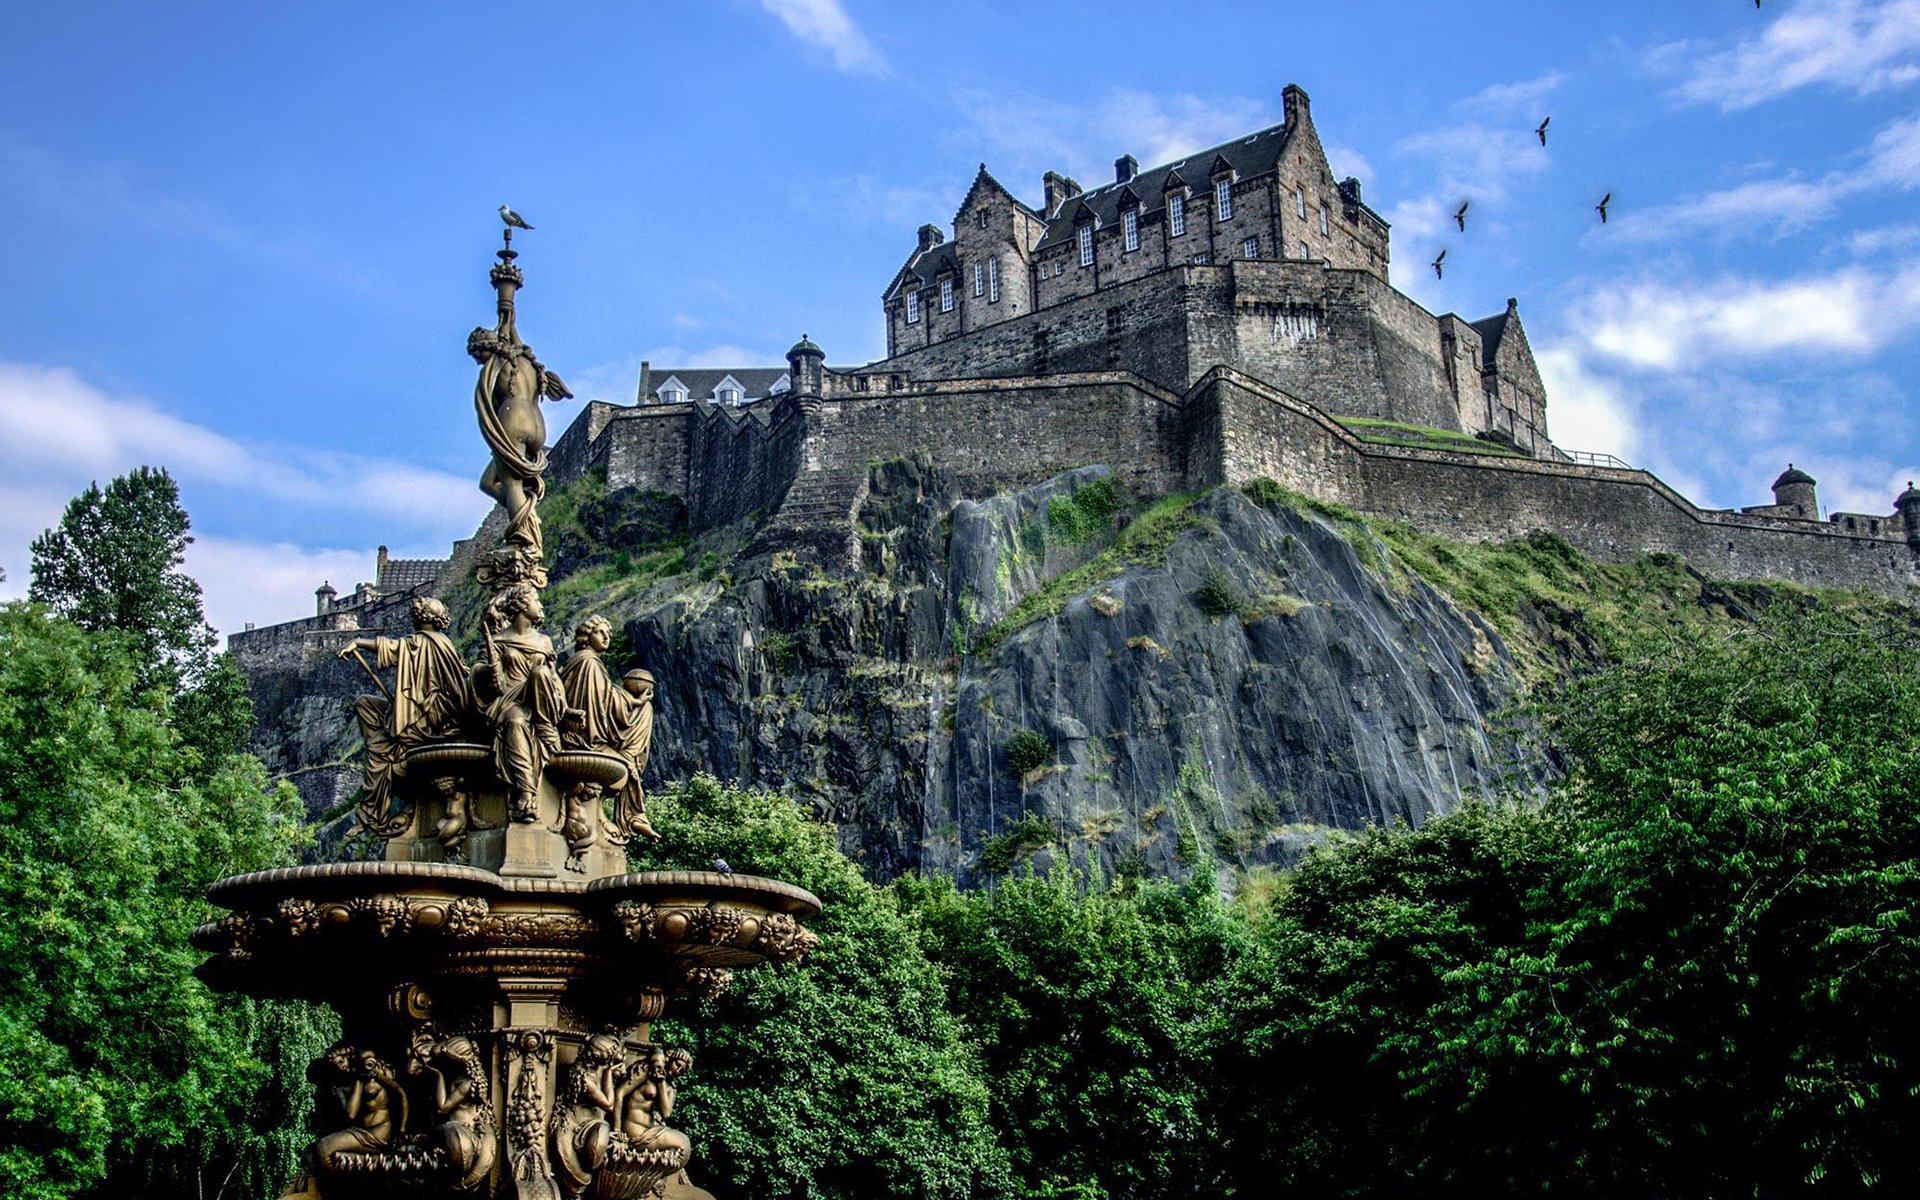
point(1552, 603)
point(1142, 543)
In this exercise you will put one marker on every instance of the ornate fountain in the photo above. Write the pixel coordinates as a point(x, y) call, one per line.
point(498, 971)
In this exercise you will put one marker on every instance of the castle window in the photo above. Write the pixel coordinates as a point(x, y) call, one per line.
point(1200, 260)
point(980, 219)
point(946, 294)
point(727, 395)
point(1323, 218)
point(979, 278)
point(673, 391)
point(1223, 198)
point(913, 307)
point(1304, 252)
point(1250, 248)
point(1086, 245)
point(1130, 225)
point(1300, 203)
point(993, 281)
point(1177, 213)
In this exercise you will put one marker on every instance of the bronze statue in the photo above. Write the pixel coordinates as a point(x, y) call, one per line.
point(580, 822)
point(524, 698)
point(461, 1098)
point(615, 719)
point(583, 1113)
point(646, 1103)
point(429, 700)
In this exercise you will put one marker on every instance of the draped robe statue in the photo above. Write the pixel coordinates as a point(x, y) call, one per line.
point(615, 719)
point(524, 699)
point(429, 701)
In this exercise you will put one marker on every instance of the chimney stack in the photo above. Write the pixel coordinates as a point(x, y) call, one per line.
point(1059, 190)
point(1293, 100)
point(646, 383)
point(1125, 168)
point(930, 236)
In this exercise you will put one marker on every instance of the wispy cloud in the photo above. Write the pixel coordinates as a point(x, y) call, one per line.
point(1588, 411)
point(1023, 134)
point(1521, 98)
point(59, 432)
point(1858, 46)
point(1663, 326)
point(1785, 205)
point(824, 23)
point(268, 582)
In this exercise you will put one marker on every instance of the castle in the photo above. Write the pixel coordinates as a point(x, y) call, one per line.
point(1221, 318)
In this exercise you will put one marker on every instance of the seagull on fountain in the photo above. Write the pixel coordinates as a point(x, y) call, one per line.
point(513, 219)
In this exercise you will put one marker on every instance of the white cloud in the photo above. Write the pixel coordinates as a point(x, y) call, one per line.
point(1859, 46)
point(1523, 97)
point(1346, 161)
point(1585, 410)
point(58, 433)
point(1891, 161)
point(1868, 242)
point(269, 582)
point(1667, 327)
point(1024, 134)
point(825, 24)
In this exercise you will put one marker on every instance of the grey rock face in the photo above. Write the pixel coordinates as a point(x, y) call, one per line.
point(1250, 682)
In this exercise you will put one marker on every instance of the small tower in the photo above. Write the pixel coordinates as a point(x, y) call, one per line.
point(806, 370)
point(323, 598)
point(1794, 491)
point(1908, 506)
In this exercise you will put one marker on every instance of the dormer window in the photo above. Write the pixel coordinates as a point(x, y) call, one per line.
point(1177, 214)
point(1086, 245)
point(946, 294)
point(1223, 197)
point(913, 306)
point(730, 392)
point(1130, 228)
point(673, 392)
point(979, 279)
point(727, 395)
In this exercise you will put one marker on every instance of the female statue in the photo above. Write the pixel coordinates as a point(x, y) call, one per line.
point(461, 1101)
point(646, 1102)
point(522, 692)
point(428, 702)
point(616, 719)
point(583, 1113)
point(507, 401)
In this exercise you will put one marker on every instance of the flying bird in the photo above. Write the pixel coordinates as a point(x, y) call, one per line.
point(1460, 218)
point(720, 865)
point(1601, 207)
point(1436, 265)
point(513, 218)
point(1541, 130)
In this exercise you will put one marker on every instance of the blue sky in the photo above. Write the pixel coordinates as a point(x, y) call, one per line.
point(246, 241)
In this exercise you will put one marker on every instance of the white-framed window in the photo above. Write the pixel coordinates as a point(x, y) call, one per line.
point(1200, 260)
point(979, 279)
point(1300, 203)
point(1304, 252)
point(1177, 214)
point(1323, 220)
point(913, 306)
point(673, 391)
point(946, 294)
point(727, 395)
point(1130, 228)
point(1223, 198)
point(1086, 245)
point(1250, 248)
point(993, 281)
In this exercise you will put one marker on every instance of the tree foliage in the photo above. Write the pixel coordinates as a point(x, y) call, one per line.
point(113, 564)
point(117, 1068)
point(841, 1077)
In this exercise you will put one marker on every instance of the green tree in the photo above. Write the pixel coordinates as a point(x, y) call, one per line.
point(840, 1077)
point(118, 1069)
point(1087, 1003)
point(113, 563)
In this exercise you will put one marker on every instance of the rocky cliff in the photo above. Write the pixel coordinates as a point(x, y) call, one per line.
point(1196, 682)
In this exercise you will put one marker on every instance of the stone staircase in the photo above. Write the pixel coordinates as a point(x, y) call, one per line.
point(817, 520)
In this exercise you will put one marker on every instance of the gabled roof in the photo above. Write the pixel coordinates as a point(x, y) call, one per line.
point(922, 267)
point(1251, 155)
point(1492, 330)
point(756, 381)
point(985, 180)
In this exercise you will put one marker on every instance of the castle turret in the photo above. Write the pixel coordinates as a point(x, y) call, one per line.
point(806, 369)
point(323, 598)
point(1908, 506)
point(1794, 491)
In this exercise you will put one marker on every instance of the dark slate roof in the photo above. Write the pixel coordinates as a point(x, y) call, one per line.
point(924, 266)
point(405, 574)
point(701, 381)
point(1254, 154)
point(1491, 330)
